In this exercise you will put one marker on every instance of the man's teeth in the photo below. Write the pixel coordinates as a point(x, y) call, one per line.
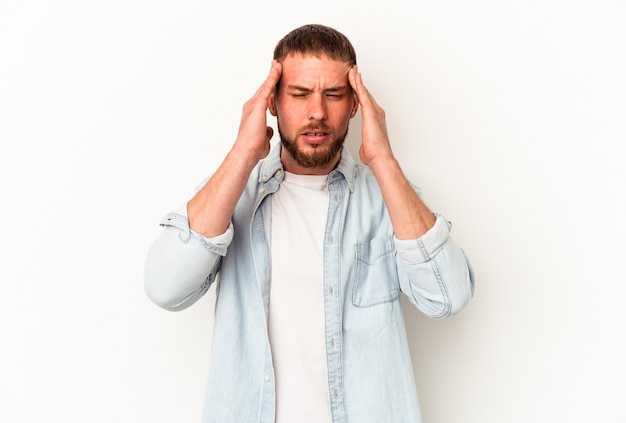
point(314, 134)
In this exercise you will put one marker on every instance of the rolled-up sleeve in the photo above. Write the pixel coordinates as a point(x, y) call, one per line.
point(434, 272)
point(182, 264)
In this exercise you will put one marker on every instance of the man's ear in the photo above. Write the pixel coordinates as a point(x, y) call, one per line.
point(271, 103)
point(355, 105)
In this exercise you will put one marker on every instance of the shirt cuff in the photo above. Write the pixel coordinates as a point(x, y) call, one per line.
point(415, 251)
point(217, 244)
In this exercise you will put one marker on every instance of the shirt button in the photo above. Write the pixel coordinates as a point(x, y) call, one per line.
point(262, 190)
point(331, 290)
point(279, 173)
point(267, 378)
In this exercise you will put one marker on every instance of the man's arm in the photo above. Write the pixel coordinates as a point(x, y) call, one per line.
point(437, 276)
point(184, 260)
point(211, 209)
point(409, 215)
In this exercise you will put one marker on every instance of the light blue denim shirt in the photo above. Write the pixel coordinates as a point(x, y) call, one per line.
point(370, 378)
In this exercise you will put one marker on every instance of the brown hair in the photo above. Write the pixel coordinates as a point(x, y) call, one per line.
point(317, 40)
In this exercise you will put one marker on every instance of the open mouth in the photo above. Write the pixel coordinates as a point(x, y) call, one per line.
point(315, 138)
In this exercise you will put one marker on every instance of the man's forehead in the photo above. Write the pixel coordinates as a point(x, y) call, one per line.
point(298, 58)
point(309, 67)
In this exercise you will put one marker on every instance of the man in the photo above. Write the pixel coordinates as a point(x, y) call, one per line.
point(312, 251)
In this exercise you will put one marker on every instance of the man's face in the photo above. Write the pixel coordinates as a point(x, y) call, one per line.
point(313, 105)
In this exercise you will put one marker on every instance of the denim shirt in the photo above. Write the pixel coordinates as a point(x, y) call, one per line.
point(370, 378)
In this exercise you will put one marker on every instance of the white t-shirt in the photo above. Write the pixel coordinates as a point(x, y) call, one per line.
point(296, 309)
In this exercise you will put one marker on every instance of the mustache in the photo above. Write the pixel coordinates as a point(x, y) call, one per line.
point(315, 127)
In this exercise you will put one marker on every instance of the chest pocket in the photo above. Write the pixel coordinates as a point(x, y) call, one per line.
point(375, 277)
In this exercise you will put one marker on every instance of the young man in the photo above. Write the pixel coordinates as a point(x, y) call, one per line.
point(312, 251)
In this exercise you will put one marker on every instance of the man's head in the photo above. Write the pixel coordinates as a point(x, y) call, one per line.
point(313, 101)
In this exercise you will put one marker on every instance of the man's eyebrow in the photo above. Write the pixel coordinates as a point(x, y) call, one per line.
point(337, 88)
point(298, 88)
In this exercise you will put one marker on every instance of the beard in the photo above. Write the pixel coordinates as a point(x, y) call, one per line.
point(320, 156)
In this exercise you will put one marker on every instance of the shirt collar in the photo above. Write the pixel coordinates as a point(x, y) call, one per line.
point(272, 166)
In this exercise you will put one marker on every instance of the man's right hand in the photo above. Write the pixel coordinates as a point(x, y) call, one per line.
point(210, 210)
point(254, 135)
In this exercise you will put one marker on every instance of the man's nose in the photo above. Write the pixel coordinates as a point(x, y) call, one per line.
point(317, 108)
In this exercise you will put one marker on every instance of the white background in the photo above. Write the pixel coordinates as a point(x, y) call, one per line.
point(508, 114)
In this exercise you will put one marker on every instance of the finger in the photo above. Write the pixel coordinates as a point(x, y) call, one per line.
point(364, 96)
point(354, 82)
point(358, 81)
point(270, 82)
